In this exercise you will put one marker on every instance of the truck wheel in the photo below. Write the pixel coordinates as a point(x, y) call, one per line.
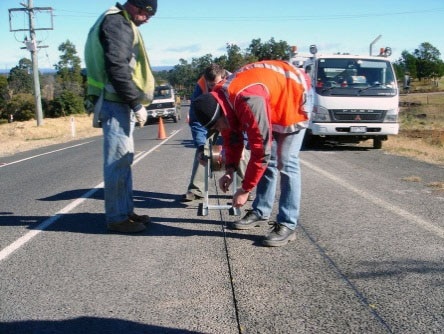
point(306, 142)
point(311, 141)
point(377, 143)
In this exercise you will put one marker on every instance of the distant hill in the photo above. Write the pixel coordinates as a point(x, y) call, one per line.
point(52, 71)
point(162, 68)
point(42, 70)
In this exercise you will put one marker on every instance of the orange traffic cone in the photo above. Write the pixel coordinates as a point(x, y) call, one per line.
point(161, 131)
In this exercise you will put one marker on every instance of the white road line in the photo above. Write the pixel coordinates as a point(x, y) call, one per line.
point(5, 252)
point(8, 250)
point(39, 155)
point(388, 206)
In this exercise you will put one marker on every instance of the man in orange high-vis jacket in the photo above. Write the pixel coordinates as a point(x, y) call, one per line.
point(270, 101)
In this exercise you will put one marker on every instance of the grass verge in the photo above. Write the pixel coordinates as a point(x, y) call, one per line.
point(22, 136)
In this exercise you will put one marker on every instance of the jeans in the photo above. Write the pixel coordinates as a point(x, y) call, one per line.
point(284, 159)
point(118, 123)
point(243, 163)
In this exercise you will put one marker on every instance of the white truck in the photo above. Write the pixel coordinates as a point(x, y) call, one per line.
point(355, 98)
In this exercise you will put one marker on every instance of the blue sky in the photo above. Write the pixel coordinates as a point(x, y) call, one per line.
point(194, 28)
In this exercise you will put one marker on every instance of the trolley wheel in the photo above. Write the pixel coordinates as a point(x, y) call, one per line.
point(201, 211)
point(234, 211)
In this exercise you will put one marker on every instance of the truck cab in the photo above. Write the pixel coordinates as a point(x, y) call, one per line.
point(355, 98)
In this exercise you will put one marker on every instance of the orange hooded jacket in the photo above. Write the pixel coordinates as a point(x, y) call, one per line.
point(258, 99)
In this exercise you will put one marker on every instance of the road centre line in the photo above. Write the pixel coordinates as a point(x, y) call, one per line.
point(388, 206)
point(46, 153)
point(8, 250)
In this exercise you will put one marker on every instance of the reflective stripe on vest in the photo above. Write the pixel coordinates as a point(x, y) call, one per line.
point(203, 85)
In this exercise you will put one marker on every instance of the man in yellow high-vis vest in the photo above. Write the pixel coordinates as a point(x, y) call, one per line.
point(120, 78)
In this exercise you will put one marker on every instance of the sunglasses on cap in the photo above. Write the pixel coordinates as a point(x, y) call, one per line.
point(149, 10)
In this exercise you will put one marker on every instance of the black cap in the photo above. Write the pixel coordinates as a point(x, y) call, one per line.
point(149, 5)
point(207, 110)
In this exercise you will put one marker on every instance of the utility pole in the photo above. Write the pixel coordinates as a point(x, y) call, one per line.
point(32, 47)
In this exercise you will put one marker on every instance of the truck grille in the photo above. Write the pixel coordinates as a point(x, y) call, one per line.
point(164, 105)
point(357, 115)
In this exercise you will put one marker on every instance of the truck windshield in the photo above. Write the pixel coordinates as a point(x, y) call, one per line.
point(162, 92)
point(355, 76)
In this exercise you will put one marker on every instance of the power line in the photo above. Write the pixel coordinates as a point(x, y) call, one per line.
point(350, 16)
point(297, 17)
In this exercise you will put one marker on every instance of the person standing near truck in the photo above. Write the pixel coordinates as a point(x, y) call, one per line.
point(119, 77)
point(406, 82)
point(266, 100)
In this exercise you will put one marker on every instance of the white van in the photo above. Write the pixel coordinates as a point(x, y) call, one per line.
point(164, 104)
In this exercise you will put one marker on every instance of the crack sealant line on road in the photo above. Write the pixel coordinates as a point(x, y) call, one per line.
point(420, 222)
point(227, 255)
point(11, 248)
point(360, 295)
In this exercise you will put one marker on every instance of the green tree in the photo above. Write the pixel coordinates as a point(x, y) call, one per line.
point(4, 89)
point(428, 61)
point(199, 64)
point(21, 107)
point(269, 50)
point(4, 94)
point(161, 76)
point(256, 49)
point(69, 88)
point(222, 61)
point(69, 75)
point(406, 64)
point(182, 76)
point(20, 78)
point(67, 103)
point(235, 58)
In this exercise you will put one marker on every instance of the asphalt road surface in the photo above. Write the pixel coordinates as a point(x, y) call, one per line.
point(368, 258)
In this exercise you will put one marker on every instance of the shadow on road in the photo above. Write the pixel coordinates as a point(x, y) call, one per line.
point(84, 325)
point(333, 147)
point(175, 224)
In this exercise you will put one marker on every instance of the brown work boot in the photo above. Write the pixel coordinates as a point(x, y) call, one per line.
point(126, 226)
point(144, 219)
